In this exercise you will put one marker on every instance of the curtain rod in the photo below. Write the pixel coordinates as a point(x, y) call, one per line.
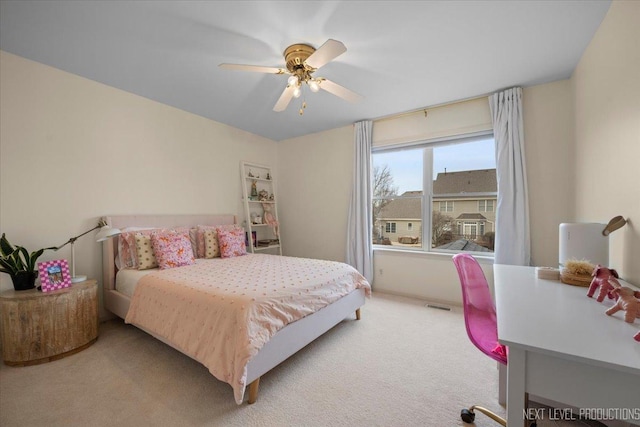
point(425, 109)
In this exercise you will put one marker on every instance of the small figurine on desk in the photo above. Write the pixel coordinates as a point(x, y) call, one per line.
point(627, 301)
point(606, 280)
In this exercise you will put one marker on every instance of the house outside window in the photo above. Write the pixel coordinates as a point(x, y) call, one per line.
point(485, 205)
point(446, 206)
point(453, 194)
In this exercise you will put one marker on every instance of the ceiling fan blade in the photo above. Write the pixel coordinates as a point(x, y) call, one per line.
point(338, 90)
point(284, 99)
point(330, 50)
point(254, 68)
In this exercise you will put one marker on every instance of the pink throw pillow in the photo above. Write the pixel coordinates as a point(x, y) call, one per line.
point(200, 239)
point(231, 243)
point(172, 249)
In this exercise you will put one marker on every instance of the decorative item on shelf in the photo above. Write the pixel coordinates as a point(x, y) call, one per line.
point(263, 243)
point(255, 218)
point(270, 219)
point(627, 301)
point(263, 195)
point(105, 233)
point(250, 175)
point(54, 275)
point(577, 273)
point(19, 264)
point(268, 176)
point(271, 197)
point(254, 190)
point(605, 279)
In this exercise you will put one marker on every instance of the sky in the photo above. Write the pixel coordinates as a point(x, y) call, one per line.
point(406, 165)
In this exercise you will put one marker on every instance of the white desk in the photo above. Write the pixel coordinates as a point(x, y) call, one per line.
point(563, 347)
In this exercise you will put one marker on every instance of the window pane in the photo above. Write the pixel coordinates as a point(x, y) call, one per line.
point(396, 172)
point(463, 193)
point(464, 175)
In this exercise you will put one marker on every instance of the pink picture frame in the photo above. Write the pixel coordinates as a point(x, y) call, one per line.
point(54, 275)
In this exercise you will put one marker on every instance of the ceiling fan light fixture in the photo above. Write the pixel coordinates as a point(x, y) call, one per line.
point(297, 92)
point(313, 85)
point(292, 80)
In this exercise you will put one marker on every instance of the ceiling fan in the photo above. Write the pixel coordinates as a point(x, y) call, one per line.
point(302, 61)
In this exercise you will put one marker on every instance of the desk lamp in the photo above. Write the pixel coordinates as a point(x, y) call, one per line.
point(105, 233)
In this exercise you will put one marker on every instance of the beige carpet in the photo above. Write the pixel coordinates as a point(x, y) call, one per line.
point(403, 364)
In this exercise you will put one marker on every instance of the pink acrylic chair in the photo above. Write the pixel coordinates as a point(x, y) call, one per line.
point(480, 320)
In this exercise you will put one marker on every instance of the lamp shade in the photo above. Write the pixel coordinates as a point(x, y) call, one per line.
point(106, 232)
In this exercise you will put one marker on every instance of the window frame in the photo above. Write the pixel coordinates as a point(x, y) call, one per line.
point(427, 187)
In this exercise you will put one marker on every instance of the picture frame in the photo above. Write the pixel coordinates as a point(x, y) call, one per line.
point(54, 275)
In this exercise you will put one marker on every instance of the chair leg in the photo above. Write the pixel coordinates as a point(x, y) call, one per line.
point(468, 415)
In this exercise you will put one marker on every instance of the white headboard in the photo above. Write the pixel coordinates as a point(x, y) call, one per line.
point(109, 246)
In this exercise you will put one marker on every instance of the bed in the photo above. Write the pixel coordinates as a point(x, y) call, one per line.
point(302, 309)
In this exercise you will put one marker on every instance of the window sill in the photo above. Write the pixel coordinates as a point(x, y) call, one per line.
point(482, 259)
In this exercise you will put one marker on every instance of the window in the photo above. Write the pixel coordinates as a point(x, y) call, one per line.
point(446, 206)
point(440, 193)
point(485, 205)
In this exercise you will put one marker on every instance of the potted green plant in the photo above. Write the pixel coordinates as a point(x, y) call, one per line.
point(18, 263)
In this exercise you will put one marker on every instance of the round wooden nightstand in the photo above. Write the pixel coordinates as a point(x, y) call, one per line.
point(38, 327)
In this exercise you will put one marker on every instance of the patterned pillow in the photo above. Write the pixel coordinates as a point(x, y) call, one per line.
point(172, 249)
point(146, 258)
point(127, 253)
point(212, 249)
point(200, 239)
point(231, 242)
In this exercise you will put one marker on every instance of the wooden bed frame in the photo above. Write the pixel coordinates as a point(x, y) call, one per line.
point(281, 346)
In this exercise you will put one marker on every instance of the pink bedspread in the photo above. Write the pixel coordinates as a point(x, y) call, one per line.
point(222, 311)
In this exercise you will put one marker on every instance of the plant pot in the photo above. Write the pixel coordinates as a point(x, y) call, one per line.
point(24, 280)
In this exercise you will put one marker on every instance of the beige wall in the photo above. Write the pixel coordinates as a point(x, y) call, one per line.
point(607, 118)
point(72, 150)
point(314, 187)
point(550, 154)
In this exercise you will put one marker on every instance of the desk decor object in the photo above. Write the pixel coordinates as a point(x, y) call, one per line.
point(606, 280)
point(19, 264)
point(577, 272)
point(627, 301)
point(54, 275)
point(548, 273)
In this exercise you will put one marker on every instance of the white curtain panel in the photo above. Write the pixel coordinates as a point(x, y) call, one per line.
point(513, 241)
point(359, 244)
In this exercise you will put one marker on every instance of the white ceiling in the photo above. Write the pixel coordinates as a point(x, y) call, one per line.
point(401, 55)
